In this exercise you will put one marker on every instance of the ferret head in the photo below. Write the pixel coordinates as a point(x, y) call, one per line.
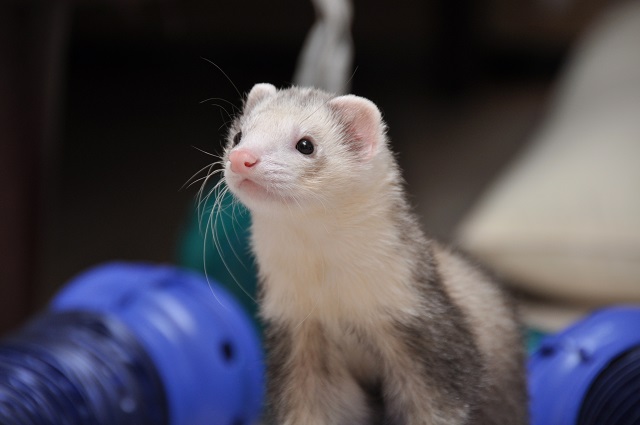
point(301, 149)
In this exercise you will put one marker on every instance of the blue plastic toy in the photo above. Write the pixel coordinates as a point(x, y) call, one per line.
point(134, 344)
point(590, 373)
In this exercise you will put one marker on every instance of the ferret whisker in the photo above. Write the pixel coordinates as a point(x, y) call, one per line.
point(307, 316)
point(201, 208)
point(222, 117)
point(205, 152)
point(221, 99)
point(218, 245)
point(224, 230)
point(316, 110)
point(235, 206)
point(190, 180)
point(222, 109)
point(223, 73)
point(214, 215)
point(203, 178)
point(313, 113)
point(202, 202)
point(226, 123)
point(206, 167)
point(204, 262)
point(211, 173)
point(220, 191)
point(353, 74)
point(200, 198)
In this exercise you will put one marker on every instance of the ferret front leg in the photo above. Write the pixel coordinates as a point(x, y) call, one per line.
point(429, 378)
point(307, 383)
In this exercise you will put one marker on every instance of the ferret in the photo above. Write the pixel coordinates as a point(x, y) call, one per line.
point(367, 321)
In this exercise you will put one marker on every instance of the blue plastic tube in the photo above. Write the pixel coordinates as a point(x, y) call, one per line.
point(589, 374)
point(134, 344)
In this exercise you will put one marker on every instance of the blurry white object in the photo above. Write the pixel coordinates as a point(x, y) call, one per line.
point(327, 54)
point(564, 220)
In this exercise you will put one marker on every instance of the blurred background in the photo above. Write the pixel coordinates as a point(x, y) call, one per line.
point(104, 111)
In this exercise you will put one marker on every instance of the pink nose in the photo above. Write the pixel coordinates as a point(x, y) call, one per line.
point(242, 160)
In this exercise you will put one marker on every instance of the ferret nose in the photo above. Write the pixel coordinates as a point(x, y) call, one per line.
point(242, 160)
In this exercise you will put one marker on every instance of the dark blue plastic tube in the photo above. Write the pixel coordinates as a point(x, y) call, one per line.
point(134, 344)
point(78, 368)
point(589, 374)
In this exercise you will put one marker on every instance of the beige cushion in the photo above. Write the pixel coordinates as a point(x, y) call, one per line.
point(564, 219)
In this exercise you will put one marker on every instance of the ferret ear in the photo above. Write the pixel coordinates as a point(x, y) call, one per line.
point(363, 123)
point(258, 92)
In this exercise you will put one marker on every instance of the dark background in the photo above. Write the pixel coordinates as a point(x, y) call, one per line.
point(101, 109)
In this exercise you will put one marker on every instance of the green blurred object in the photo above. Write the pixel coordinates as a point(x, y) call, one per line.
point(533, 339)
point(229, 262)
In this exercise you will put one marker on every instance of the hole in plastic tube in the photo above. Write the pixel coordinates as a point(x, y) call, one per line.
point(227, 352)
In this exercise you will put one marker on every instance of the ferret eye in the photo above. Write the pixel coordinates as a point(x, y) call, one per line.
point(305, 147)
point(237, 137)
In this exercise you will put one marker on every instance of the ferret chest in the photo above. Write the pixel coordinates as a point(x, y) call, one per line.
point(330, 289)
point(346, 275)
